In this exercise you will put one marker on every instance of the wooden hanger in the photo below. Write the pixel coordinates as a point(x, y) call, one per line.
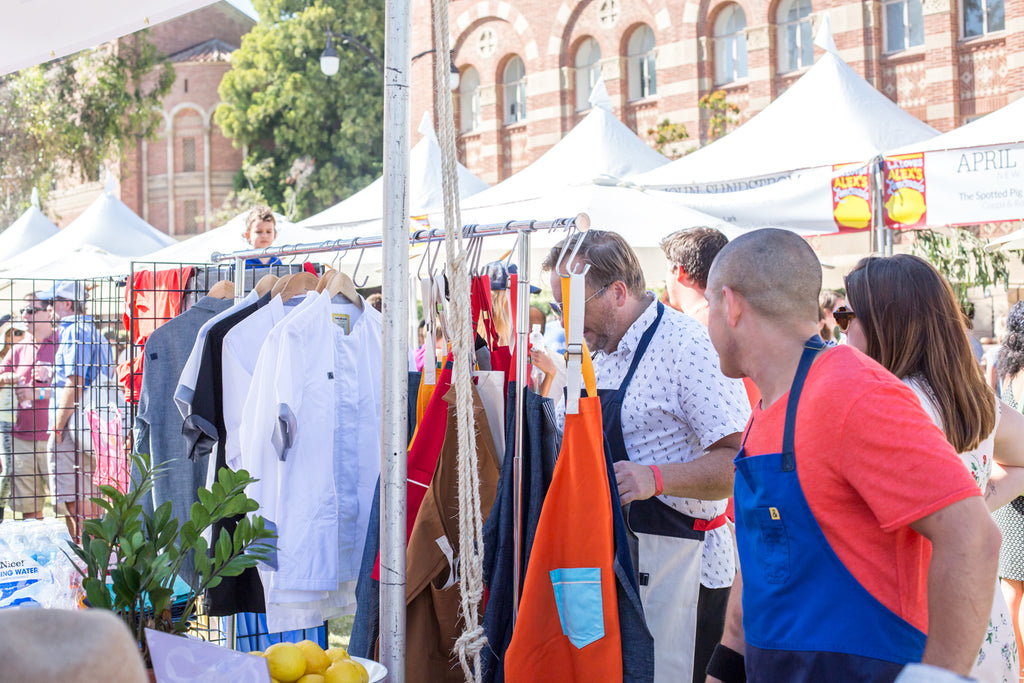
point(265, 284)
point(297, 285)
point(335, 282)
point(281, 283)
point(222, 289)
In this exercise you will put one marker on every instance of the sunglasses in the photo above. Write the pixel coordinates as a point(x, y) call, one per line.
point(557, 307)
point(843, 316)
point(29, 310)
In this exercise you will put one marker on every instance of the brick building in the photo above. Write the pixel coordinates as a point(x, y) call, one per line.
point(178, 180)
point(527, 66)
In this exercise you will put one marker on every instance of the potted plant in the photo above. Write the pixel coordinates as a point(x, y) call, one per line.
point(130, 560)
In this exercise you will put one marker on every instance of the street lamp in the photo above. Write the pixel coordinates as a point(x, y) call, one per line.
point(330, 62)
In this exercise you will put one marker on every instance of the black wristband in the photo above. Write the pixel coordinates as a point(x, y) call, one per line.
point(726, 665)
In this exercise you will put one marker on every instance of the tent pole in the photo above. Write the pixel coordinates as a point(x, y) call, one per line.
point(395, 339)
point(522, 314)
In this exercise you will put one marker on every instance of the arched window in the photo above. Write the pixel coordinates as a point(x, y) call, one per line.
point(642, 66)
point(730, 45)
point(588, 70)
point(469, 100)
point(796, 44)
point(514, 84)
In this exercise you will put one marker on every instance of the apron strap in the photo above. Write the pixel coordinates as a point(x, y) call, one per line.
point(811, 349)
point(641, 348)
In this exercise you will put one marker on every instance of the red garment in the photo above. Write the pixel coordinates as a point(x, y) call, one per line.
point(150, 300)
point(575, 537)
point(107, 435)
point(483, 316)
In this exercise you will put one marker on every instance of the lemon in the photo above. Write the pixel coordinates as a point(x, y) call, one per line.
point(853, 212)
point(337, 653)
point(287, 662)
point(317, 660)
point(257, 653)
point(346, 671)
point(906, 206)
point(311, 678)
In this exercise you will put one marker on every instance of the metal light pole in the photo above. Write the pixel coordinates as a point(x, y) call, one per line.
point(394, 422)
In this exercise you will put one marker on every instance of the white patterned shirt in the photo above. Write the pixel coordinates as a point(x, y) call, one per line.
point(677, 405)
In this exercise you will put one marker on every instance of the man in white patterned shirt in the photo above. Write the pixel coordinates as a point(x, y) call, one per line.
point(673, 424)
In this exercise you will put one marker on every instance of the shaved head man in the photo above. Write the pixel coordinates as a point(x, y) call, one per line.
point(843, 487)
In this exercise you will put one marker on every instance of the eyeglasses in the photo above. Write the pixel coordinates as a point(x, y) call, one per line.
point(843, 316)
point(29, 310)
point(557, 307)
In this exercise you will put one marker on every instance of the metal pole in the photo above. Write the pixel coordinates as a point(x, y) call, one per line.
point(522, 356)
point(394, 438)
point(239, 278)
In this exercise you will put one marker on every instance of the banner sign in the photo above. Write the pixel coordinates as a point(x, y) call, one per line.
point(955, 187)
point(851, 197)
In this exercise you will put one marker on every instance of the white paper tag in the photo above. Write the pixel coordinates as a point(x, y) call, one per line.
point(342, 321)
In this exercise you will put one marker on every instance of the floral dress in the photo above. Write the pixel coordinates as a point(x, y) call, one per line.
point(997, 660)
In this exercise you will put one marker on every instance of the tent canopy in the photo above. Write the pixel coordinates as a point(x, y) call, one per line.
point(36, 31)
point(108, 224)
point(425, 192)
point(829, 116)
point(1002, 127)
point(599, 145)
point(31, 228)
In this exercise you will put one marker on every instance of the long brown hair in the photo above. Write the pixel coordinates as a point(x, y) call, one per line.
point(914, 326)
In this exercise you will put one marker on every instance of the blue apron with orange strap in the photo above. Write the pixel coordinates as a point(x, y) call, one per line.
point(805, 616)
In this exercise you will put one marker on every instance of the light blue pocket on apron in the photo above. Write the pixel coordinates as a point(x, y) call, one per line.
point(578, 598)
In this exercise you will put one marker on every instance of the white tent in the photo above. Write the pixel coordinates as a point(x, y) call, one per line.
point(39, 30)
point(107, 224)
point(425, 192)
point(82, 263)
point(599, 145)
point(972, 174)
point(31, 228)
point(225, 239)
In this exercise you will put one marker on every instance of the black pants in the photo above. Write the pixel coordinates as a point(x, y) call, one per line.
point(711, 604)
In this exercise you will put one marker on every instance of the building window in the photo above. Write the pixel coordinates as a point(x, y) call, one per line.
point(796, 44)
point(514, 90)
point(608, 13)
point(642, 67)
point(191, 211)
point(188, 154)
point(902, 24)
point(983, 16)
point(469, 100)
point(730, 45)
point(588, 71)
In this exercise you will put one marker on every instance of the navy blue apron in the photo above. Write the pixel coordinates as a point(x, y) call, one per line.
point(668, 550)
point(805, 616)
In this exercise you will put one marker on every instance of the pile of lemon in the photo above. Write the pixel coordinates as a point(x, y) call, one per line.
point(307, 662)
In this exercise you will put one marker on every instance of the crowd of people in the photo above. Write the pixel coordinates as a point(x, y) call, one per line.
point(817, 480)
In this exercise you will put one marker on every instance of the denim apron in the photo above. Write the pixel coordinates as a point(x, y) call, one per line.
point(805, 616)
point(669, 551)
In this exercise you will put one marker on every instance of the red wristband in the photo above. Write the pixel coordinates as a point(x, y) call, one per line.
point(659, 484)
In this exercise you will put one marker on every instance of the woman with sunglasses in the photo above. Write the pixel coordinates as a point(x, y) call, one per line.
point(903, 314)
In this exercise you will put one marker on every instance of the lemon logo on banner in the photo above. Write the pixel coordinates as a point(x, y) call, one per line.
point(904, 191)
point(851, 197)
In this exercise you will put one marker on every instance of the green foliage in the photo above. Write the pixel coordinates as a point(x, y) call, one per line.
point(74, 114)
point(721, 113)
point(277, 102)
point(140, 554)
point(664, 137)
point(963, 260)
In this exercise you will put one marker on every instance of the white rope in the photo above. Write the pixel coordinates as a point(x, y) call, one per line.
point(471, 585)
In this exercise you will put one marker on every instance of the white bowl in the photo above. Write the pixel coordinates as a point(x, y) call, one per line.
point(376, 671)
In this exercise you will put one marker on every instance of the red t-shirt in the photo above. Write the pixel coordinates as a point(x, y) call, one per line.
point(870, 462)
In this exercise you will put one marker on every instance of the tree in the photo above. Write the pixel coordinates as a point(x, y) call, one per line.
point(277, 102)
point(721, 113)
point(665, 136)
point(69, 116)
point(963, 260)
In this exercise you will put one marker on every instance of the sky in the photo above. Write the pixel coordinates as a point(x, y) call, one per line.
point(245, 6)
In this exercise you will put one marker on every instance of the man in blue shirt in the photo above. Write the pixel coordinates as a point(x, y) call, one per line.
point(83, 357)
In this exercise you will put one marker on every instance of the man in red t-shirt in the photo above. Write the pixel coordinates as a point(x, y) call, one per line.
point(874, 555)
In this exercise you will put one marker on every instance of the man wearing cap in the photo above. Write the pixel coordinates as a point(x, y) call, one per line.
point(83, 356)
point(672, 423)
point(28, 368)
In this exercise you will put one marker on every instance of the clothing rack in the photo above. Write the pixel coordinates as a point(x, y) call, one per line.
point(393, 475)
